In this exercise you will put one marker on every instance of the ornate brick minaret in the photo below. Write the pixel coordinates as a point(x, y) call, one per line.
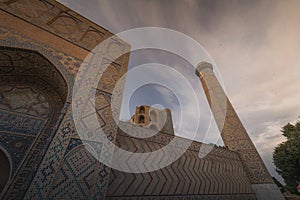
point(234, 135)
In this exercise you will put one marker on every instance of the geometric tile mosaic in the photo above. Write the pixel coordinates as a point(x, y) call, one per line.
point(17, 147)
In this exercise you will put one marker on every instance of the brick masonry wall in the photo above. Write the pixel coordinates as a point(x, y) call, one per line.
point(219, 173)
point(64, 38)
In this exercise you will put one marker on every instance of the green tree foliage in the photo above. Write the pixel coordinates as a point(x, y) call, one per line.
point(286, 156)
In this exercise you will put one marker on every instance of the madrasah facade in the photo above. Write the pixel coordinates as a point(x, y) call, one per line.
point(42, 46)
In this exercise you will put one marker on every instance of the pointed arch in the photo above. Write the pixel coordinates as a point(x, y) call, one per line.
point(33, 96)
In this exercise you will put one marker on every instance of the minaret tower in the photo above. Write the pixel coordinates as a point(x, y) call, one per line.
point(234, 135)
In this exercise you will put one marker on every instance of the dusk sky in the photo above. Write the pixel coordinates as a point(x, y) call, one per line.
point(255, 45)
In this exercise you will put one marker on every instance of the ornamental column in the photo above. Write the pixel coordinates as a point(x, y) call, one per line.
point(234, 135)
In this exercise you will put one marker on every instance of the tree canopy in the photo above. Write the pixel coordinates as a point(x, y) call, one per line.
point(286, 156)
